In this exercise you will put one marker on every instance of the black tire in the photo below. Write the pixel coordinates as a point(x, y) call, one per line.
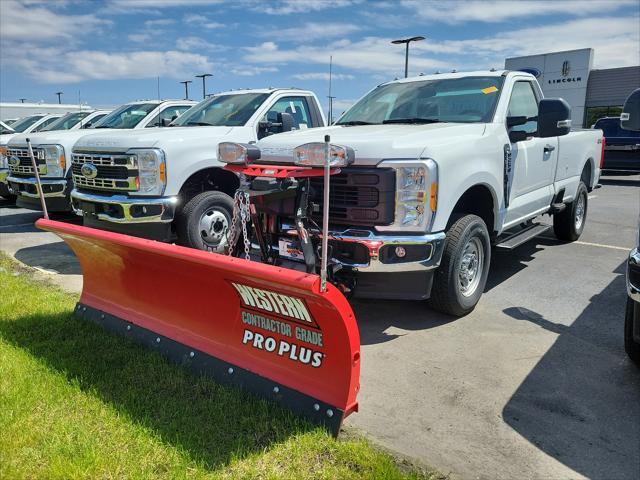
point(447, 293)
point(216, 205)
point(632, 314)
point(565, 224)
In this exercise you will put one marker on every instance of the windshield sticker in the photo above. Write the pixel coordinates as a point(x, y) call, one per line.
point(489, 90)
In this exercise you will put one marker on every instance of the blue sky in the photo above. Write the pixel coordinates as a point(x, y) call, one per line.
point(112, 50)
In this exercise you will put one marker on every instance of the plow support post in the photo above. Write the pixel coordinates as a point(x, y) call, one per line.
point(263, 328)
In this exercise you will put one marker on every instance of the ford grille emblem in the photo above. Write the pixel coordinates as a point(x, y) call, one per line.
point(14, 161)
point(89, 170)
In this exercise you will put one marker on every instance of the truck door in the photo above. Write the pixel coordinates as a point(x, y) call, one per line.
point(533, 160)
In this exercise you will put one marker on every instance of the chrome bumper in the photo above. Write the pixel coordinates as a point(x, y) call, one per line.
point(4, 173)
point(167, 204)
point(375, 242)
point(633, 264)
point(32, 181)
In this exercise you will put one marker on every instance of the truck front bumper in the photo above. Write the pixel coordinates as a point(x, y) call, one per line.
point(141, 217)
point(123, 209)
point(55, 192)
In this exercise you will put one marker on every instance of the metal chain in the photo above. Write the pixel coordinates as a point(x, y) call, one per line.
point(241, 214)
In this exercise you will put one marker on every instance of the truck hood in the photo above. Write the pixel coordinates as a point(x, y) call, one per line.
point(165, 138)
point(371, 143)
point(65, 138)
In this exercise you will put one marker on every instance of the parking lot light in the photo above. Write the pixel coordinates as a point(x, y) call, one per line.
point(407, 41)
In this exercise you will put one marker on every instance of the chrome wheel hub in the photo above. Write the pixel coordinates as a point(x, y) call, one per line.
point(580, 211)
point(471, 266)
point(213, 227)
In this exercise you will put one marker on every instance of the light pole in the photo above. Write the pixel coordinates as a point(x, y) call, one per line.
point(406, 41)
point(59, 96)
point(22, 100)
point(204, 85)
point(186, 88)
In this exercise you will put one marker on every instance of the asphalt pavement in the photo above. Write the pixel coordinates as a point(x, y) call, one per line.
point(533, 384)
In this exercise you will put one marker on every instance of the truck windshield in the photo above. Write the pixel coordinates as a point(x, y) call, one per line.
point(463, 100)
point(223, 110)
point(24, 123)
point(127, 116)
point(612, 129)
point(66, 122)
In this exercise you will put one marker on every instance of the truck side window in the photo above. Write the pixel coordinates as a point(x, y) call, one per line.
point(297, 107)
point(169, 113)
point(45, 123)
point(524, 103)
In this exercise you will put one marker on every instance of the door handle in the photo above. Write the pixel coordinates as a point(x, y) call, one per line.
point(549, 148)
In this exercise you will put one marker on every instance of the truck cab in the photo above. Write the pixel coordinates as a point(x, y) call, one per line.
point(168, 184)
point(52, 150)
point(445, 167)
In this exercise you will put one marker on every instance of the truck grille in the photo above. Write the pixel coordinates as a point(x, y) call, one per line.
point(114, 172)
point(359, 196)
point(24, 168)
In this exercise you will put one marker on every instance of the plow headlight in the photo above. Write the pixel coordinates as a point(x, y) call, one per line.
point(238, 153)
point(152, 173)
point(416, 193)
point(312, 155)
point(55, 159)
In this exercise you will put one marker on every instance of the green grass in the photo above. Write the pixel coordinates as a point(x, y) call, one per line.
point(78, 402)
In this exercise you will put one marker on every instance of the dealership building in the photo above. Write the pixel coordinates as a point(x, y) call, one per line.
point(591, 93)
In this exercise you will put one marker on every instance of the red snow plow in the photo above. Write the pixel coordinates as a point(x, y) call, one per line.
point(283, 331)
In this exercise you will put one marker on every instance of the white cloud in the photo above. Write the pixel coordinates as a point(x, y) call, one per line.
point(371, 54)
point(19, 21)
point(126, 4)
point(251, 71)
point(53, 66)
point(312, 31)
point(286, 7)
point(197, 43)
point(159, 22)
point(457, 11)
point(140, 37)
point(202, 21)
point(323, 76)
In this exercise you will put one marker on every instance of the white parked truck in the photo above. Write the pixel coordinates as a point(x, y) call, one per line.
point(168, 184)
point(53, 151)
point(443, 167)
point(30, 124)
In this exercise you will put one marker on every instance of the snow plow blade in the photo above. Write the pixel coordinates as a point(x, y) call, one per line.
point(266, 329)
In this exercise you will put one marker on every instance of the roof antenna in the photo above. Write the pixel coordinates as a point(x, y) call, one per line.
point(158, 77)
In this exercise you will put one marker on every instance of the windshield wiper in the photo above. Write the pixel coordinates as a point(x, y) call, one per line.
point(200, 124)
point(415, 120)
point(102, 126)
point(356, 122)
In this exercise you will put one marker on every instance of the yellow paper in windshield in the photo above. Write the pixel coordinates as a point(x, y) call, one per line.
point(489, 90)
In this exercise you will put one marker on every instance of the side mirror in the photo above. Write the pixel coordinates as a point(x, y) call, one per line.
point(554, 117)
point(518, 136)
point(276, 123)
point(630, 116)
point(166, 121)
point(286, 120)
point(515, 121)
point(87, 125)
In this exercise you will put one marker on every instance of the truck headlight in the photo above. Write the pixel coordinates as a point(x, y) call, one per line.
point(312, 155)
point(3, 157)
point(152, 171)
point(237, 153)
point(55, 160)
point(416, 193)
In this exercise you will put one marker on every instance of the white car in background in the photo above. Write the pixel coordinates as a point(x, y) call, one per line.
point(52, 150)
point(76, 120)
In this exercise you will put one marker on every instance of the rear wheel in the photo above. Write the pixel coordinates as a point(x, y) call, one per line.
point(569, 224)
point(204, 221)
point(632, 314)
point(462, 275)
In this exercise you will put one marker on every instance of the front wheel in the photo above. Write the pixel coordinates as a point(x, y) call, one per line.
point(632, 315)
point(462, 275)
point(204, 221)
point(569, 224)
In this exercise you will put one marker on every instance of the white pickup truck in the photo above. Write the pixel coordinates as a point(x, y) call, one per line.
point(168, 183)
point(52, 150)
point(445, 166)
